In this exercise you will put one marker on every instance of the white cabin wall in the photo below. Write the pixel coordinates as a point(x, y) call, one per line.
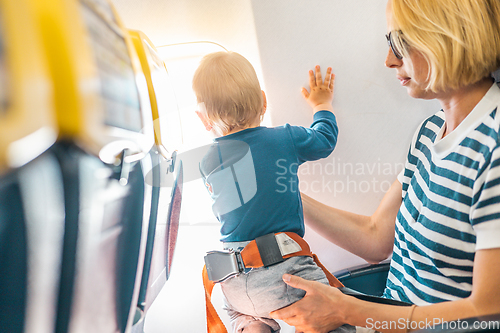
point(375, 115)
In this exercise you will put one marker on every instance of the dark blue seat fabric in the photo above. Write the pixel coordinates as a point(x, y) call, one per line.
point(366, 279)
point(167, 185)
point(148, 256)
point(13, 256)
point(31, 242)
point(102, 242)
point(129, 247)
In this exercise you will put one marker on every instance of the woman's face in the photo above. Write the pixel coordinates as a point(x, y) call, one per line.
point(412, 71)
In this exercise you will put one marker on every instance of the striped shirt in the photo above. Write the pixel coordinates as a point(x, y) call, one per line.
point(450, 206)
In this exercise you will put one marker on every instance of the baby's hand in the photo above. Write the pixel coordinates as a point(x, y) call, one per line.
point(321, 95)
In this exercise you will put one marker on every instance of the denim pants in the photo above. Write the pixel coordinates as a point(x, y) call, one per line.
point(250, 297)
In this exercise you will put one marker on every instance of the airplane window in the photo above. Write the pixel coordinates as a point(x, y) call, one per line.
point(181, 61)
point(4, 84)
point(118, 87)
point(169, 117)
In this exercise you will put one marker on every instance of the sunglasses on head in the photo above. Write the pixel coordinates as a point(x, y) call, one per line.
point(390, 40)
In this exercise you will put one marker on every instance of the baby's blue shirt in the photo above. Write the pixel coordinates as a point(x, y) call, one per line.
point(251, 176)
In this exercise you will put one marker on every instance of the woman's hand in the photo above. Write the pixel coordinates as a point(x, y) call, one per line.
point(321, 309)
point(321, 95)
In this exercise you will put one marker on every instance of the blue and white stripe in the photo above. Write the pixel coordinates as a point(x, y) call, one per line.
point(450, 206)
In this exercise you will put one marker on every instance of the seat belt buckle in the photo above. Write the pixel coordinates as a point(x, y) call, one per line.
point(223, 264)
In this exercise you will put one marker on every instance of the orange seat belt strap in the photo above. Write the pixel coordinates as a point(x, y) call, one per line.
point(214, 323)
point(252, 259)
point(332, 280)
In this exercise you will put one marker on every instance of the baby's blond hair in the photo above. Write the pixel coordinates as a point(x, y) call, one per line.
point(460, 39)
point(227, 85)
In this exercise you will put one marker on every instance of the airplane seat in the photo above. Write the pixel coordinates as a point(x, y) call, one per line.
point(13, 256)
point(371, 280)
point(368, 279)
point(165, 177)
point(31, 193)
point(103, 241)
point(496, 76)
point(104, 138)
point(160, 253)
point(103, 229)
point(31, 242)
point(131, 247)
point(134, 242)
point(152, 177)
point(174, 212)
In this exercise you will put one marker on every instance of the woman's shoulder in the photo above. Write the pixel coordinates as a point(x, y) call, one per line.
point(430, 126)
point(436, 119)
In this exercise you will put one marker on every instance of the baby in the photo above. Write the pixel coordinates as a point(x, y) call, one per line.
point(251, 174)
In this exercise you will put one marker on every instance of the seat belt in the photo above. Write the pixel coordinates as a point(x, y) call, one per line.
point(264, 251)
point(214, 323)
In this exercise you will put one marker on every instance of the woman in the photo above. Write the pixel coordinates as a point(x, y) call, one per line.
point(441, 218)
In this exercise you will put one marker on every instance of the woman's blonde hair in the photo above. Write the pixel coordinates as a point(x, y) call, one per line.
point(460, 39)
point(227, 85)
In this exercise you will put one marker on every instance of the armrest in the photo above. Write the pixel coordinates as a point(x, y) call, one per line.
point(368, 279)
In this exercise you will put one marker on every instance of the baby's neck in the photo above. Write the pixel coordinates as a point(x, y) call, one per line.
point(239, 129)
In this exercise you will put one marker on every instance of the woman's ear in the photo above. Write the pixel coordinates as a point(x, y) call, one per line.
point(204, 119)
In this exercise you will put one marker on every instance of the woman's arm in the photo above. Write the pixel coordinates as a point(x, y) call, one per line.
point(325, 308)
point(370, 237)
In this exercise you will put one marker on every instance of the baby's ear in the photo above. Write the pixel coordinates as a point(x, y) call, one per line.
point(204, 119)
point(264, 107)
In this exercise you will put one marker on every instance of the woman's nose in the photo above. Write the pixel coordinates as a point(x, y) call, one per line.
point(391, 60)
